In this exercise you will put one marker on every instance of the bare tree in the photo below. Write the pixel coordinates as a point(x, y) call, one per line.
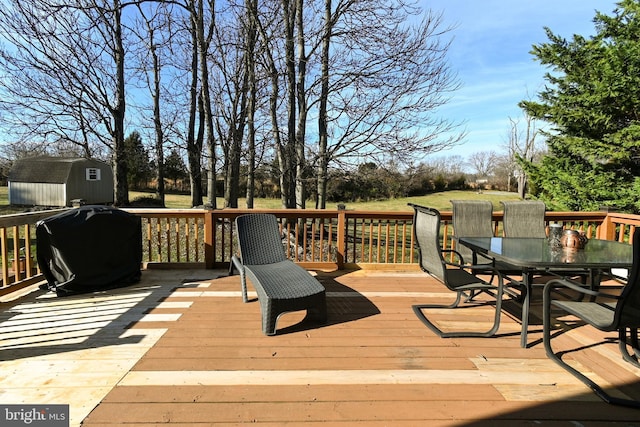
point(251, 9)
point(67, 75)
point(323, 114)
point(268, 22)
point(503, 171)
point(482, 163)
point(368, 72)
point(154, 42)
point(191, 119)
point(522, 143)
point(447, 165)
point(230, 87)
point(204, 33)
point(199, 113)
point(302, 107)
point(381, 81)
point(287, 155)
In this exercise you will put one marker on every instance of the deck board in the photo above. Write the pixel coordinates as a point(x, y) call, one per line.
point(187, 351)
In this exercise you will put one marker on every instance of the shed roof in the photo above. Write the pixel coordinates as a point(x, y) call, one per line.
point(44, 169)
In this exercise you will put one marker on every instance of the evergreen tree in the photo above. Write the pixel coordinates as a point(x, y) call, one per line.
point(592, 100)
point(174, 167)
point(138, 164)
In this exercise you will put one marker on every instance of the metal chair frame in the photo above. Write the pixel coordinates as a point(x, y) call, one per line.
point(616, 312)
point(455, 276)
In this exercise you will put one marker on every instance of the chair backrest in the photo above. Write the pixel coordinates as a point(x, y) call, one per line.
point(426, 231)
point(471, 218)
point(259, 239)
point(627, 312)
point(524, 218)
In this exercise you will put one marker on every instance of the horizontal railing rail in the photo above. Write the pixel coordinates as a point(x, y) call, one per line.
point(315, 238)
point(328, 239)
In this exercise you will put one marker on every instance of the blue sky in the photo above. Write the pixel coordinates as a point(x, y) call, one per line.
point(490, 53)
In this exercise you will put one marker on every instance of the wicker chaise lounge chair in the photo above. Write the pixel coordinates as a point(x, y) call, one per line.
point(282, 285)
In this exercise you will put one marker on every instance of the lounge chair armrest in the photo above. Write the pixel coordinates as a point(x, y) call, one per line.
point(237, 263)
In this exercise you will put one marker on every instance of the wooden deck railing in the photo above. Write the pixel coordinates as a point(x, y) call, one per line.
point(17, 248)
point(330, 239)
point(620, 227)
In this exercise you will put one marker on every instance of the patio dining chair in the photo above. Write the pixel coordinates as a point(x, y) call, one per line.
point(426, 229)
point(474, 218)
point(524, 218)
point(622, 315)
point(471, 218)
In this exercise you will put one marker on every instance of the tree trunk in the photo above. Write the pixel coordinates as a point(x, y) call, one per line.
point(252, 11)
point(323, 137)
point(157, 123)
point(121, 197)
point(203, 49)
point(522, 185)
point(194, 144)
point(302, 111)
point(233, 174)
point(289, 154)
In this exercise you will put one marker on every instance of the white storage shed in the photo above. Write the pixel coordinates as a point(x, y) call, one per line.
point(58, 181)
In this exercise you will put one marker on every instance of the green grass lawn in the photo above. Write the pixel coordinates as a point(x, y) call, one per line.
point(439, 201)
point(436, 200)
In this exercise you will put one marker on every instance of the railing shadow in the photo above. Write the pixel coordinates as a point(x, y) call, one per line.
point(42, 324)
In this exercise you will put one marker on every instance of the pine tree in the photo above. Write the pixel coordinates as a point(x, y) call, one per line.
point(138, 164)
point(592, 101)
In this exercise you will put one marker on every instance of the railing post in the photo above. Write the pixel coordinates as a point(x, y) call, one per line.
point(342, 241)
point(607, 230)
point(5, 256)
point(209, 239)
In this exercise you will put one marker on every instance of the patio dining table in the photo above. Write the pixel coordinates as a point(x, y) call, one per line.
point(536, 255)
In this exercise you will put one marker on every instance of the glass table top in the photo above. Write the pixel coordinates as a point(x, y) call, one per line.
point(528, 252)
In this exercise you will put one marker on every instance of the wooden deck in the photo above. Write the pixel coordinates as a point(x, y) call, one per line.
point(181, 348)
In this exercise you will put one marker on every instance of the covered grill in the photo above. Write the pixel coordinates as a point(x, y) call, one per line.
point(88, 249)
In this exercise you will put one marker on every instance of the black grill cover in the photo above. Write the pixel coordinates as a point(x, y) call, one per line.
point(88, 249)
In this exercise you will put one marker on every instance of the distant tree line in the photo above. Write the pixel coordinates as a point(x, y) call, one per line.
point(366, 182)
